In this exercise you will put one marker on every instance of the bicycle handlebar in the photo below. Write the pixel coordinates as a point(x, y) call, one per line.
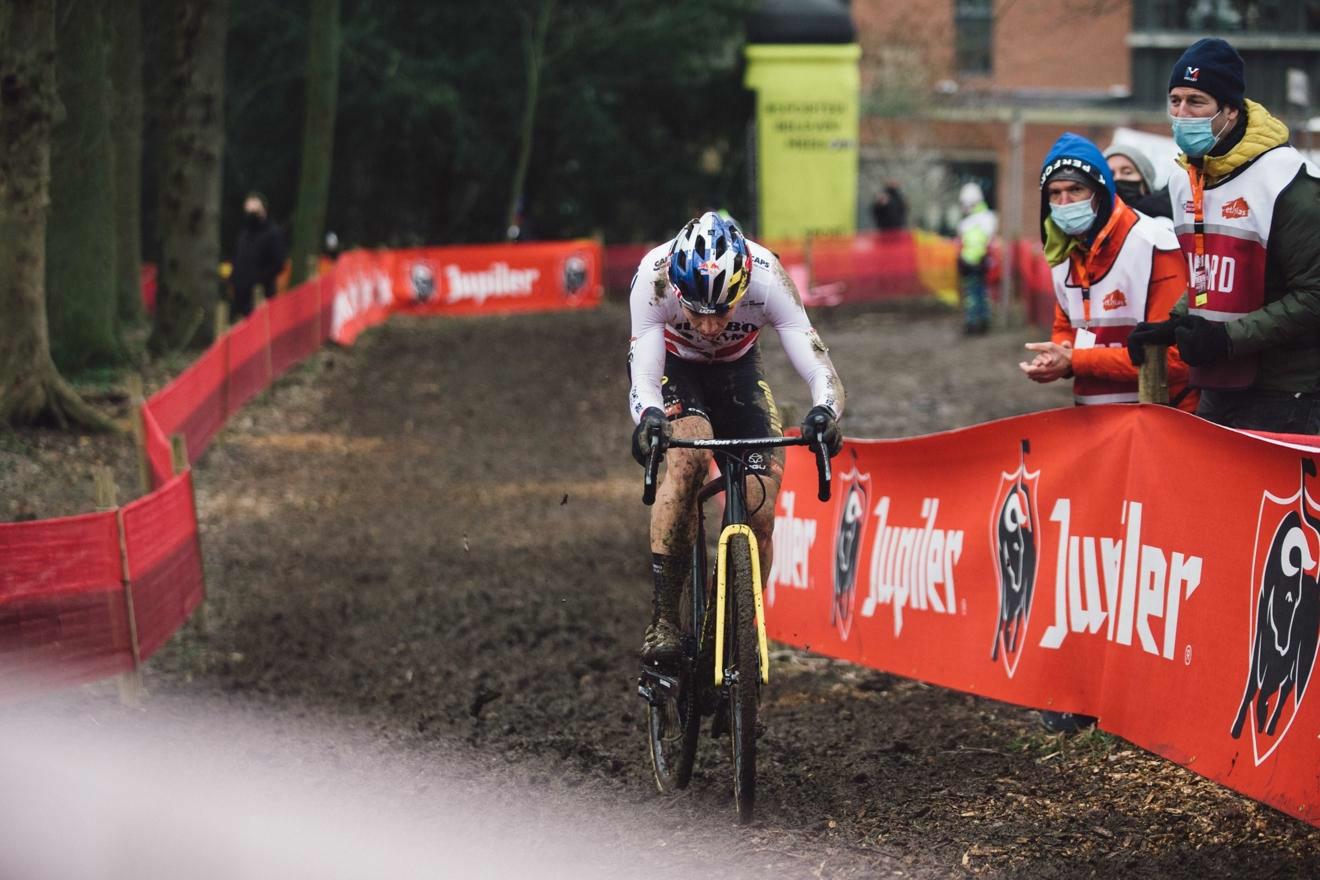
point(822, 458)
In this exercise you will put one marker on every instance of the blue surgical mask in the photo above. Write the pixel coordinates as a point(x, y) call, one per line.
point(1073, 218)
point(1194, 135)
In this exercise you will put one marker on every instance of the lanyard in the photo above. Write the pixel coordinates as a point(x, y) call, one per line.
point(1199, 280)
point(1083, 274)
point(1083, 278)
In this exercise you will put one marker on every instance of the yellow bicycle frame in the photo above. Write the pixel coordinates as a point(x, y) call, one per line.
point(721, 576)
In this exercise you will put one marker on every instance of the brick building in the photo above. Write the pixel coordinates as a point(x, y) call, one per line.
point(979, 89)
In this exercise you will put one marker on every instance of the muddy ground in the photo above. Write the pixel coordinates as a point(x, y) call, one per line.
point(436, 537)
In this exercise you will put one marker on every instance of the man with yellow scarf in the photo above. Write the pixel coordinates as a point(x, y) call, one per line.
point(1247, 216)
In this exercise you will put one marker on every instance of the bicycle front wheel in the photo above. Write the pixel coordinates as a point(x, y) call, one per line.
point(745, 677)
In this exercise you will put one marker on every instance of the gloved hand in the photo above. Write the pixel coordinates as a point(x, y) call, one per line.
point(1150, 333)
point(821, 419)
point(653, 428)
point(1201, 342)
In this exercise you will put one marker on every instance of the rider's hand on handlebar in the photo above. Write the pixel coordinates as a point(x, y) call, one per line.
point(653, 428)
point(821, 420)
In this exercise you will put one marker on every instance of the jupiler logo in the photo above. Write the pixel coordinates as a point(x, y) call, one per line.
point(912, 567)
point(1118, 585)
point(1285, 621)
point(792, 544)
point(1015, 537)
point(497, 281)
point(853, 510)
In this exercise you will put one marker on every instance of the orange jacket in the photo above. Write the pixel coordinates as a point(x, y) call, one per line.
point(1168, 282)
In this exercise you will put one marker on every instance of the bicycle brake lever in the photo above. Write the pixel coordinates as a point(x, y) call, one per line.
point(822, 468)
point(648, 481)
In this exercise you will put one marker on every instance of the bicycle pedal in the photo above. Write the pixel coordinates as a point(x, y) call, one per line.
point(656, 687)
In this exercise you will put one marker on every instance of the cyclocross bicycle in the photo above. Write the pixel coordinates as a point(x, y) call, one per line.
point(722, 620)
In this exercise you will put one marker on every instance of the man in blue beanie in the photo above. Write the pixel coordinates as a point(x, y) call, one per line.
point(1246, 213)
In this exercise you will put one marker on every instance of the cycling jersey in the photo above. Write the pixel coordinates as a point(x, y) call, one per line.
point(659, 325)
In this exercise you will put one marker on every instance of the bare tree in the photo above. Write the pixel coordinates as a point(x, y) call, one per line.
point(125, 33)
point(534, 39)
point(80, 230)
point(192, 128)
point(322, 86)
point(31, 390)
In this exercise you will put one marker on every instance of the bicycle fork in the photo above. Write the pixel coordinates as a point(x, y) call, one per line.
point(721, 582)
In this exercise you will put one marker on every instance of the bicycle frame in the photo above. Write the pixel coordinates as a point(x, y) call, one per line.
point(732, 482)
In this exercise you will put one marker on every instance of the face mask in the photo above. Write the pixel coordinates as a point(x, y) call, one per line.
point(1130, 190)
point(1073, 218)
point(1194, 135)
point(252, 219)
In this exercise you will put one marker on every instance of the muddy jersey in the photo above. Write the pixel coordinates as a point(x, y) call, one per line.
point(659, 325)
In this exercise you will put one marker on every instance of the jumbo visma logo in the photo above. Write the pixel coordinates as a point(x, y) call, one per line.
point(1015, 537)
point(1285, 616)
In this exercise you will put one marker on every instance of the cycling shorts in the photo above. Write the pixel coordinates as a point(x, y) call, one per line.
point(733, 397)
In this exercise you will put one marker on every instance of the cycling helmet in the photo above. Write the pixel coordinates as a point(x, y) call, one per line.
point(709, 265)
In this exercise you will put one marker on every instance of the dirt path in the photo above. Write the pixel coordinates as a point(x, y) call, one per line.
point(437, 535)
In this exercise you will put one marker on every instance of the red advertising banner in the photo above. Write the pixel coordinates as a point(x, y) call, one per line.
point(360, 293)
point(478, 279)
point(540, 276)
point(1130, 562)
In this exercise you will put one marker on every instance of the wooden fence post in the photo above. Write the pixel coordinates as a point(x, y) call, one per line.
point(179, 460)
point(130, 683)
point(220, 329)
point(1153, 376)
point(137, 402)
point(258, 299)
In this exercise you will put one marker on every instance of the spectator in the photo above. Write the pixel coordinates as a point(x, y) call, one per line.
point(1111, 267)
point(889, 208)
point(1134, 180)
point(975, 232)
point(1246, 214)
point(259, 254)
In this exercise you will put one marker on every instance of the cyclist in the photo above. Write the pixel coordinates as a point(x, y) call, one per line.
point(698, 305)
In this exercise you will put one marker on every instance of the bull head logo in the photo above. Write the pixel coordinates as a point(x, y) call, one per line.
point(1285, 622)
point(854, 508)
point(1014, 536)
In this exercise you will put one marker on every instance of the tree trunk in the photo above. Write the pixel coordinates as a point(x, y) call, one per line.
point(30, 388)
point(80, 233)
point(322, 85)
point(125, 32)
point(192, 130)
point(535, 46)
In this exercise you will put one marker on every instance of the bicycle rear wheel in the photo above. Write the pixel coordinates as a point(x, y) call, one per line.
point(745, 678)
point(673, 717)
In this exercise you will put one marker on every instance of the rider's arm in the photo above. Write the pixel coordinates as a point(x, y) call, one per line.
point(646, 351)
point(803, 345)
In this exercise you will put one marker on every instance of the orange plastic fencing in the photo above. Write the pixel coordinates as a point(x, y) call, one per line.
point(63, 618)
point(164, 561)
point(67, 585)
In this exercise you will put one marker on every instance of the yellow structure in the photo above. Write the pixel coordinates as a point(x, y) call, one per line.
point(806, 135)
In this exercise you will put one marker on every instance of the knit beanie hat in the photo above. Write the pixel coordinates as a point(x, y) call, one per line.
point(1214, 67)
point(1137, 158)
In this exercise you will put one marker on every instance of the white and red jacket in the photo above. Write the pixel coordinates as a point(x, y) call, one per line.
point(1133, 272)
point(1229, 271)
point(659, 325)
